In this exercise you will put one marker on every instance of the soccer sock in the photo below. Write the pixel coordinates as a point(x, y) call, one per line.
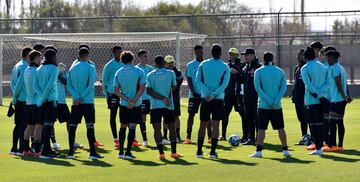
point(26, 145)
point(22, 129)
point(46, 137)
point(15, 137)
point(259, 148)
point(72, 133)
point(131, 137)
point(91, 138)
point(122, 135)
point(165, 134)
point(160, 148)
point(200, 145)
point(341, 130)
point(173, 147)
point(209, 130)
point(52, 136)
point(285, 148)
point(214, 142)
point(37, 145)
point(143, 130)
point(113, 112)
point(326, 130)
point(178, 133)
point(224, 125)
point(332, 137)
point(188, 132)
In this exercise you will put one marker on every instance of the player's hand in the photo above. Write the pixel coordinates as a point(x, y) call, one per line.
point(39, 103)
point(77, 102)
point(80, 101)
point(208, 98)
point(348, 100)
point(166, 101)
point(131, 103)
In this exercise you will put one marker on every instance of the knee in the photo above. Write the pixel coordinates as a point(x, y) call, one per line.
point(90, 125)
point(132, 126)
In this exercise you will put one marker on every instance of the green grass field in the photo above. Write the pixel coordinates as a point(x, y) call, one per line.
point(232, 165)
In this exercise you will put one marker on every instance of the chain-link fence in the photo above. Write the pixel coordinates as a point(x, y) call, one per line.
point(180, 45)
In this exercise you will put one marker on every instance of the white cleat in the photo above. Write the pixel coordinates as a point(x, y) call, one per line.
point(286, 153)
point(12, 153)
point(55, 146)
point(120, 156)
point(316, 152)
point(257, 154)
point(199, 156)
point(78, 146)
point(70, 157)
point(166, 142)
point(19, 154)
point(146, 143)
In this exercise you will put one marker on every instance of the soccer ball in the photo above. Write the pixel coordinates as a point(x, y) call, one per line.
point(234, 140)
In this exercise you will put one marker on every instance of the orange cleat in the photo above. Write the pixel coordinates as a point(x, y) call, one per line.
point(339, 149)
point(161, 156)
point(209, 141)
point(176, 156)
point(187, 141)
point(37, 155)
point(311, 147)
point(136, 143)
point(98, 144)
point(28, 154)
point(329, 149)
point(116, 143)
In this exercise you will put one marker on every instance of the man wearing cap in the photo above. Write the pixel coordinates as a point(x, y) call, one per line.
point(316, 79)
point(270, 84)
point(170, 64)
point(250, 94)
point(233, 96)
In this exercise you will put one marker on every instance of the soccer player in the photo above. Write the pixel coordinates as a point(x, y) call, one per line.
point(316, 78)
point(250, 94)
point(298, 93)
point(213, 77)
point(113, 100)
point(159, 85)
point(233, 98)
point(129, 85)
point(145, 106)
point(270, 84)
point(194, 92)
point(39, 47)
point(339, 100)
point(170, 64)
point(81, 79)
point(33, 128)
point(45, 87)
point(325, 102)
point(19, 101)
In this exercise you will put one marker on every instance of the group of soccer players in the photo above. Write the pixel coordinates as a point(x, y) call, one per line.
point(135, 89)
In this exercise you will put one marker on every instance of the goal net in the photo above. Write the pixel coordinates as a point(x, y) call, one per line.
point(179, 45)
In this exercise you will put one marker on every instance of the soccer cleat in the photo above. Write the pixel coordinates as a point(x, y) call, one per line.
point(116, 143)
point(129, 156)
point(166, 142)
point(311, 147)
point(200, 155)
point(249, 142)
point(243, 140)
point(316, 152)
point(55, 146)
point(161, 156)
point(120, 156)
point(12, 152)
point(146, 143)
point(43, 156)
point(37, 155)
point(28, 154)
point(222, 138)
point(256, 154)
point(136, 143)
point(98, 144)
point(339, 149)
point(176, 156)
point(95, 156)
point(187, 141)
point(301, 142)
point(78, 146)
point(19, 153)
point(179, 141)
point(209, 141)
point(213, 156)
point(286, 153)
point(329, 149)
point(72, 157)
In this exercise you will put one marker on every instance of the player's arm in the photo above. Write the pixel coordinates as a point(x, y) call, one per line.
point(142, 82)
point(51, 81)
point(91, 82)
point(105, 80)
point(75, 95)
point(308, 84)
point(35, 84)
point(190, 82)
point(259, 89)
point(200, 80)
point(224, 82)
point(19, 84)
point(282, 89)
point(337, 77)
point(326, 84)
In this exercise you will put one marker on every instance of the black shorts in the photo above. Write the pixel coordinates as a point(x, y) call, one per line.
point(83, 110)
point(47, 112)
point(20, 112)
point(156, 116)
point(32, 115)
point(274, 116)
point(63, 113)
point(337, 110)
point(133, 115)
point(233, 101)
point(214, 108)
point(113, 101)
point(193, 105)
point(315, 114)
point(177, 108)
point(145, 107)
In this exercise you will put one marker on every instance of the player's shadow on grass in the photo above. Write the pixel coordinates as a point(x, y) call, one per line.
point(179, 161)
point(164, 162)
point(55, 162)
point(290, 160)
point(100, 150)
point(94, 163)
point(221, 147)
point(274, 147)
point(351, 152)
point(339, 159)
point(232, 162)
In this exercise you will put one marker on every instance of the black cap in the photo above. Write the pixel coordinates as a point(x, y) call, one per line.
point(268, 57)
point(316, 45)
point(248, 51)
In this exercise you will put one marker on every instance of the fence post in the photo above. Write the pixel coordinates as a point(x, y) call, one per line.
point(192, 23)
point(1, 70)
point(110, 24)
point(178, 46)
point(278, 47)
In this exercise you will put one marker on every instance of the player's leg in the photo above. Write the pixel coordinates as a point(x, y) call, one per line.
point(89, 115)
point(165, 134)
point(18, 131)
point(39, 124)
point(177, 113)
point(113, 105)
point(325, 136)
point(217, 114)
point(145, 112)
point(229, 103)
point(169, 119)
point(122, 132)
point(209, 132)
point(263, 122)
point(49, 119)
point(251, 119)
point(241, 111)
point(315, 116)
point(155, 117)
point(300, 113)
point(204, 122)
point(29, 131)
point(193, 107)
point(277, 122)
